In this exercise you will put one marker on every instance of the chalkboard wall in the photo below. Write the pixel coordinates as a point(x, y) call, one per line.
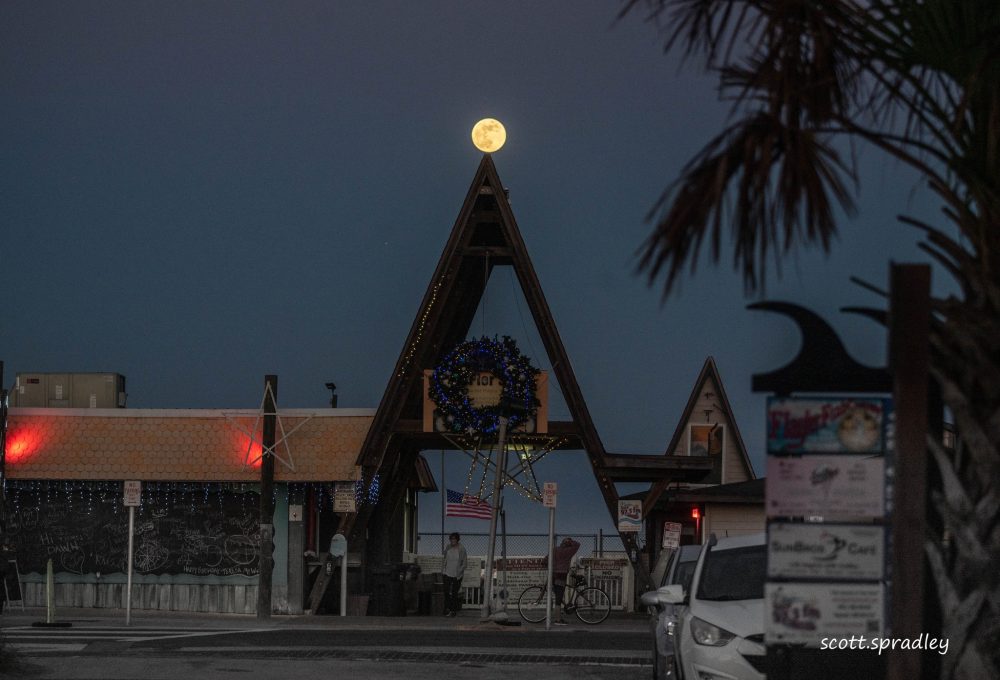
point(179, 529)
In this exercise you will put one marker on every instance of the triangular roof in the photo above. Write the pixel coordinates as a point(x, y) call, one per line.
point(485, 234)
point(709, 371)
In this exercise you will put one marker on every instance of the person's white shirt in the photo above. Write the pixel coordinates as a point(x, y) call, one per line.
point(455, 559)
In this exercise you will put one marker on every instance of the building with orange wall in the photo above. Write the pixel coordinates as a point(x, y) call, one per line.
point(196, 529)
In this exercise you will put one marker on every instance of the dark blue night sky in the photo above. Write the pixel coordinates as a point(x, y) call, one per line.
point(196, 194)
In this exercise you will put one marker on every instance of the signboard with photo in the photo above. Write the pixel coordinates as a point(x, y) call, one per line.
point(825, 486)
point(804, 613)
point(825, 425)
point(825, 551)
point(629, 516)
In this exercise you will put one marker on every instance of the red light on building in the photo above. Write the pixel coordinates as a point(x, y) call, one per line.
point(695, 513)
point(21, 444)
point(249, 450)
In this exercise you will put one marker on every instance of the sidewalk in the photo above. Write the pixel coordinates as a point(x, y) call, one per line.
point(618, 622)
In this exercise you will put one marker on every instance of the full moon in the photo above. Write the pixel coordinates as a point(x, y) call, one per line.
point(488, 135)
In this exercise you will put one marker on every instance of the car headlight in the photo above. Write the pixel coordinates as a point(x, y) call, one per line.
point(705, 633)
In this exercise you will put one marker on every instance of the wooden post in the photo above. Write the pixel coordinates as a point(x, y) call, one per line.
point(267, 498)
point(909, 358)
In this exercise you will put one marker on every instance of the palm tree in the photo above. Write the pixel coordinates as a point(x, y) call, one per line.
point(920, 81)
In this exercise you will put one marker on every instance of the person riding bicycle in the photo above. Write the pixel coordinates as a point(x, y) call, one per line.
point(562, 560)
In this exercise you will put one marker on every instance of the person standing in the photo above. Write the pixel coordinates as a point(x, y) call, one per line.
point(453, 570)
point(562, 560)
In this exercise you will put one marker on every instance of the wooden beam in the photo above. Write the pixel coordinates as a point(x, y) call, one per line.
point(656, 490)
point(909, 359)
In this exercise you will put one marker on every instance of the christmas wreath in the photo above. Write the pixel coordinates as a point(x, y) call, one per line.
point(449, 385)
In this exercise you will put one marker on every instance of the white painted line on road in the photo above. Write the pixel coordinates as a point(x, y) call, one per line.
point(42, 647)
point(211, 633)
point(508, 651)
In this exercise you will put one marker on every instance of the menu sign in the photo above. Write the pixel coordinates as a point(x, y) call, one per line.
point(808, 612)
point(825, 486)
point(825, 551)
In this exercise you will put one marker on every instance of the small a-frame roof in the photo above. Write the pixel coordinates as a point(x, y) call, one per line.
point(709, 371)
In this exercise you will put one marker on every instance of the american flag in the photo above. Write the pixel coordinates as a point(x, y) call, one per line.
point(463, 505)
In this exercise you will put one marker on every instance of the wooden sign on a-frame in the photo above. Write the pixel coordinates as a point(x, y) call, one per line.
point(484, 236)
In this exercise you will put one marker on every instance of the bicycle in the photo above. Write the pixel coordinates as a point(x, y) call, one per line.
point(590, 603)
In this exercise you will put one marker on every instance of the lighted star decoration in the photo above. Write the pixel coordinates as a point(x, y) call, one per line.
point(257, 438)
point(523, 452)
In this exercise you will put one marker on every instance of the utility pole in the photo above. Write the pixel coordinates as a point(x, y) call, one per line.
point(267, 497)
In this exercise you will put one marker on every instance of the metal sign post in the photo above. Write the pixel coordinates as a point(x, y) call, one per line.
point(338, 548)
point(133, 494)
point(550, 493)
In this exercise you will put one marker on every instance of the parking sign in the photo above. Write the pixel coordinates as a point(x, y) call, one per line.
point(133, 493)
point(549, 493)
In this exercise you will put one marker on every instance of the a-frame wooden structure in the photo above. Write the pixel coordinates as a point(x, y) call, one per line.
point(484, 236)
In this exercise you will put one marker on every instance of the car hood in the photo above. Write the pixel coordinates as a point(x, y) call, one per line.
point(743, 617)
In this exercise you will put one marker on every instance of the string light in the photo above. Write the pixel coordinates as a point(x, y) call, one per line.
point(412, 349)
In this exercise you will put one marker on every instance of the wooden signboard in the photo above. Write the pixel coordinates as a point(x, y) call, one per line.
point(484, 391)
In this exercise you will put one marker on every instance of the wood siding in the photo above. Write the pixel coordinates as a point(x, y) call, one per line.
point(733, 519)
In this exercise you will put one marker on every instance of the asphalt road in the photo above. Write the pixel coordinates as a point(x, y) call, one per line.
point(156, 647)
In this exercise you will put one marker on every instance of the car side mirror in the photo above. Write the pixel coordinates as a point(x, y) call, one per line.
point(650, 598)
point(672, 594)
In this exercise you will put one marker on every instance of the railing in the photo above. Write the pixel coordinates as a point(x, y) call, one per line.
point(618, 587)
point(591, 545)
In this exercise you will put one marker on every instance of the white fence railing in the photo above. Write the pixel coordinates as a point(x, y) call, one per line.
point(613, 575)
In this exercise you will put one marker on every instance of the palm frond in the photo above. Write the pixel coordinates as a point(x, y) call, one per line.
point(761, 175)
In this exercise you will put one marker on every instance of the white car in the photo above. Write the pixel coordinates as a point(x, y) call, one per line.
point(664, 615)
point(720, 636)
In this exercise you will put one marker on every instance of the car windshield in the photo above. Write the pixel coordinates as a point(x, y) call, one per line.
point(733, 574)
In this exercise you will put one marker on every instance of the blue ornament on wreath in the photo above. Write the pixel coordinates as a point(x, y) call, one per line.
point(450, 380)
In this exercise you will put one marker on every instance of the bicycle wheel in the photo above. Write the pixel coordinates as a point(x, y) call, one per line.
point(531, 604)
point(592, 605)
